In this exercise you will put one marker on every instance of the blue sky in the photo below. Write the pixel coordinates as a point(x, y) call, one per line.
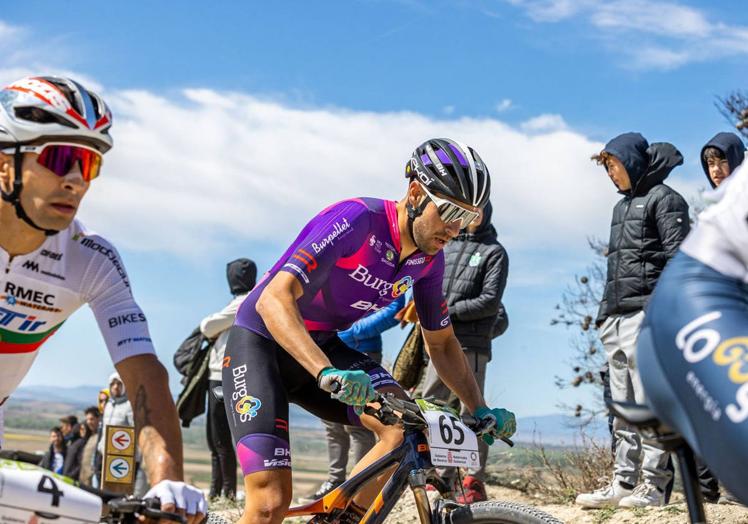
point(235, 122)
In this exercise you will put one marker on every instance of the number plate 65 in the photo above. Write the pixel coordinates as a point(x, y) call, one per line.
point(451, 442)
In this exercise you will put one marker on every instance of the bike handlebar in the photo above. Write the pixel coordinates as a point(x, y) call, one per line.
point(395, 410)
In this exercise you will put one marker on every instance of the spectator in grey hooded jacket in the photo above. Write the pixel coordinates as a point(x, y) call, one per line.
point(649, 223)
point(720, 156)
point(241, 275)
point(476, 267)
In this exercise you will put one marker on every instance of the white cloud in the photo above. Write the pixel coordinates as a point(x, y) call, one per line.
point(504, 105)
point(209, 168)
point(546, 123)
point(649, 34)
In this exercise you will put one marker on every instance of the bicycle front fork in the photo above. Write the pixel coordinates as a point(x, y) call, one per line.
point(417, 482)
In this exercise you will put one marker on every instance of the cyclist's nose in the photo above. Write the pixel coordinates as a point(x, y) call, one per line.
point(453, 229)
point(74, 178)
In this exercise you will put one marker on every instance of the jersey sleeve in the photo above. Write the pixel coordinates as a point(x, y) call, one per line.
point(337, 232)
point(121, 321)
point(431, 305)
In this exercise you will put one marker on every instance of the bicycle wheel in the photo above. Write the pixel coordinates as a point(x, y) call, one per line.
point(215, 519)
point(498, 512)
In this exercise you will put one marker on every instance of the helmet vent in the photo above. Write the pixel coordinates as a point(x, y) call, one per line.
point(40, 116)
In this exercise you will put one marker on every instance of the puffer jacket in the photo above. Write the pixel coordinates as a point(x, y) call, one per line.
point(649, 223)
point(475, 274)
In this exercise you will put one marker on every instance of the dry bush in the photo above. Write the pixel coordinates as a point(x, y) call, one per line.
point(560, 475)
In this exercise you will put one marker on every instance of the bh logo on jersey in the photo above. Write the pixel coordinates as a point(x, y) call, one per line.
point(401, 286)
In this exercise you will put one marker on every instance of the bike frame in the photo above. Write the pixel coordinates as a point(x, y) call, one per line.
point(414, 460)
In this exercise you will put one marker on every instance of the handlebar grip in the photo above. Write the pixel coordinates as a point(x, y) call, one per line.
point(509, 442)
point(335, 387)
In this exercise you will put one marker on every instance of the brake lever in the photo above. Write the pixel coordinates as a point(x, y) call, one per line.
point(471, 422)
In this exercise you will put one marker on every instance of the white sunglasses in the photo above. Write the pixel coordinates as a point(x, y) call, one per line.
point(451, 212)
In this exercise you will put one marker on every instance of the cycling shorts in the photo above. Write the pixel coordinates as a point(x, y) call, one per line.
point(693, 360)
point(260, 378)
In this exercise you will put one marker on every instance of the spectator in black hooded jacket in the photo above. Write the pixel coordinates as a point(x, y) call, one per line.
point(720, 156)
point(241, 275)
point(475, 273)
point(648, 225)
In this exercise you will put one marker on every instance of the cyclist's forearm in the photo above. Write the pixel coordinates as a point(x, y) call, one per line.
point(156, 419)
point(453, 369)
point(283, 320)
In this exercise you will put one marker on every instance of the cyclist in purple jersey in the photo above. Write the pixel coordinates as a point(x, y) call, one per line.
point(355, 257)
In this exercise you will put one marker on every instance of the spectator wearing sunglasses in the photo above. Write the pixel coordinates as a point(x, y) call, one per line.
point(53, 135)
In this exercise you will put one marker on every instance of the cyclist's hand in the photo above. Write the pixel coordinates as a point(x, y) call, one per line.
point(350, 387)
point(495, 423)
point(181, 498)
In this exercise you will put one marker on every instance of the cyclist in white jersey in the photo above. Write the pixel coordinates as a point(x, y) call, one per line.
point(693, 346)
point(53, 133)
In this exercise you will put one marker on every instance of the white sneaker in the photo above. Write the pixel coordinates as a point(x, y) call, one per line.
point(605, 497)
point(645, 495)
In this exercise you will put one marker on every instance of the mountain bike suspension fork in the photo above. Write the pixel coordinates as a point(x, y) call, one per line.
point(417, 481)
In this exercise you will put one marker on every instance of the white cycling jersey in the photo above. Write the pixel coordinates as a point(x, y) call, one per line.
point(40, 290)
point(720, 240)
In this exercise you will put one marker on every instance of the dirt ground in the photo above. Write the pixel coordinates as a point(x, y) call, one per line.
point(674, 513)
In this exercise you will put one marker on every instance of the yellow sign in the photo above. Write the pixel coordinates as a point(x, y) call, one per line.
point(119, 459)
point(120, 440)
point(119, 470)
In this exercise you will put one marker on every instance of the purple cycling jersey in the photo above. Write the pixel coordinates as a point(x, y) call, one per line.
point(347, 259)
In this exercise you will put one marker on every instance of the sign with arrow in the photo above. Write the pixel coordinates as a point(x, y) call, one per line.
point(119, 470)
point(120, 440)
point(119, 459)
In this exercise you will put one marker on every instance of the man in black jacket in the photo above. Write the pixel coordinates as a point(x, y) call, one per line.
point(648, 225)
point(475, 273)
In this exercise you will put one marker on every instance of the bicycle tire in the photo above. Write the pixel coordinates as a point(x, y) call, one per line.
point(214, 518)
point(498, 512)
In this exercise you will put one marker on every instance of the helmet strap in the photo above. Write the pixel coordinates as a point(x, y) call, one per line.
point(14, 197)
point(413, 213)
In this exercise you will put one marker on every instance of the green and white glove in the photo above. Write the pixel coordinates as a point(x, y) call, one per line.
point(350, 387)
point(495, 423)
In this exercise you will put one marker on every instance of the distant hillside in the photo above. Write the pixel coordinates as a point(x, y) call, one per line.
point(35, 407)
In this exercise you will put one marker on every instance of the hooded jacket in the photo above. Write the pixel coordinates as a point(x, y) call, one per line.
point(241, 275)
point(648, 225)
point(117, 411)
point(731, 146)
point(475, 273)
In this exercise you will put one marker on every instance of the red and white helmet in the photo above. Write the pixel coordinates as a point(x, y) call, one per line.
point(38, 108)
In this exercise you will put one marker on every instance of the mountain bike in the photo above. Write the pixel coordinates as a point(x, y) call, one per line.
point(29, 493)
point(427, 428)
point(652, 429)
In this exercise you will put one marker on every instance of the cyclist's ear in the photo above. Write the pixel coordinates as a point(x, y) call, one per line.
point(6, 172)
point(415, 193)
